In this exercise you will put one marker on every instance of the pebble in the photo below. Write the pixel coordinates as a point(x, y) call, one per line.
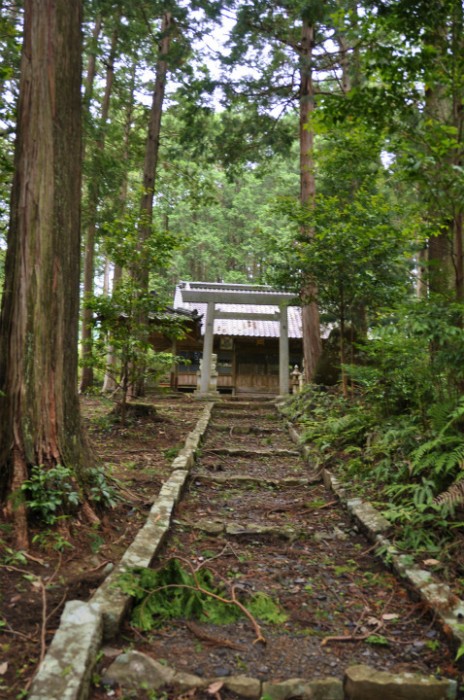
point(221, 671)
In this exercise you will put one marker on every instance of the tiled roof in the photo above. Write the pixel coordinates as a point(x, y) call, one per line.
point(233, 327)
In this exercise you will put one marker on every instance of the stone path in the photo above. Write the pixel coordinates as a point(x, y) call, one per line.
point(260, 519)
point(255, 510)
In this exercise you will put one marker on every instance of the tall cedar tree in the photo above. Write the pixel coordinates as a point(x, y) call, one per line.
point(39, 410)
point(291, 36)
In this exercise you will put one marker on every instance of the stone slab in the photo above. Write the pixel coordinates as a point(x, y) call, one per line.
point(65, 672)
point(244, 686)
point(236, 530)
point(365, 683)
point(368, 516)
point(243, 452)
point(284, 690)
point(135, 670)
point(327, 689)
point(249, 478)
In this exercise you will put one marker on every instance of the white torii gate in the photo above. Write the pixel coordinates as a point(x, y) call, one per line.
point(214, 293)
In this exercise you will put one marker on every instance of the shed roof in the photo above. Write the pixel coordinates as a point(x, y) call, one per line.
point(238, 327)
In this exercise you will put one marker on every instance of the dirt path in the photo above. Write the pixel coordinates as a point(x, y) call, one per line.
point(256, 517)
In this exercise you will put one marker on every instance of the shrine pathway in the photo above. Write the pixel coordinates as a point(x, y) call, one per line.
point(256, 515)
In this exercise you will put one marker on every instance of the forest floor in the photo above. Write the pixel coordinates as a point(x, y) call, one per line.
point(69, 562)
point(278, 532)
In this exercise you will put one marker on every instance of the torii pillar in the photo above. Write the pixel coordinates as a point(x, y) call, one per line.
point(284, 355)
point(205, 378)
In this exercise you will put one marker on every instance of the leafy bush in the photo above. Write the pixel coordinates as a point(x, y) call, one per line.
point(50, 491)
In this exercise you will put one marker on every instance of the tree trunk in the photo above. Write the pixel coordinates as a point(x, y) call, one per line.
point(92, 208)
point(141, 273)
point(152, 145)
point(8, 54)
point(109, 382)
point(39, 410)
point(91, 65)
point(310, 313)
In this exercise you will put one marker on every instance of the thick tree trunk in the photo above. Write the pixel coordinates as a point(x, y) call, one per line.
point(91, 229)
point(39, 410)
point(310, 315)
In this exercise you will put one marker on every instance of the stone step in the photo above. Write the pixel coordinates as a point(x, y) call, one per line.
point(245, 429)
point(245, 452)
point(250, 479)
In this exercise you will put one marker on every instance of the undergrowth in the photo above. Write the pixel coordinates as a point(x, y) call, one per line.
point(178, 591)
point(409, 464)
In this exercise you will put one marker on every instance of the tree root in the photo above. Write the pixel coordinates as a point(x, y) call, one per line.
point(89, 514)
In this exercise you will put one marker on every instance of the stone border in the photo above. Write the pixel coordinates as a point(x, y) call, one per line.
point(360, 682)
point(66, 670)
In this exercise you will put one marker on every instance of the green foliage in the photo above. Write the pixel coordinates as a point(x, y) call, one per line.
point(54, 540)
point(124, 318)
point(396, 436)
point(356, 254)
point(265, 609)
point(12, 556)
point(50, 492)
point(99, 489)
point(378, 640)
point(173, 592)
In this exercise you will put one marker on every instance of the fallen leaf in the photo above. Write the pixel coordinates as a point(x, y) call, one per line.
point(215, 687)
point(373, 621)
point(389, 616)
point(187, 695)
point(430, 562)
point(3, 668)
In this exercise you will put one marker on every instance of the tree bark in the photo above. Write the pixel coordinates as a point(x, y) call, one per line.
point(310, 313)
point(39, 409)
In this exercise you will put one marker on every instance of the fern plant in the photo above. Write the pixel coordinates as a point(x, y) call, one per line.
point(173, 591)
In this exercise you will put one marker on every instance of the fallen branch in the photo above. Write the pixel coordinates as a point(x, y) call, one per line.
point(132, 495)
point(217, 556)
point(8, 629)
point(210, 638)
point(350, 637)
point(326, 505)
point(36, 559)
point(199, 588)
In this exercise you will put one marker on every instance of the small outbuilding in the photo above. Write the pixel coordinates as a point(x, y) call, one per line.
point(239, 338)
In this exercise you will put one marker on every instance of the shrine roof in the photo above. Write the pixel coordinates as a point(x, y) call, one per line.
point(231, 299)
